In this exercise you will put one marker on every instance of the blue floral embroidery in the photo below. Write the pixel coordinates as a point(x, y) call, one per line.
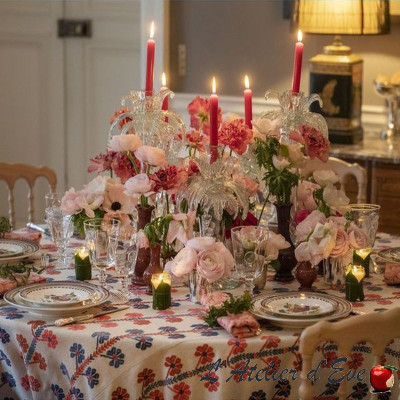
point(77, 393)
point(5, 358)
point(167, 328)
point(92, 377)
point(259, 395)
point(58, 392)
point(77, 352)
point(7, 378)
point(176, 336)
point(134, 331)
point(116, 356)
point(101, 336)
point(4, 336)
point(143, 342)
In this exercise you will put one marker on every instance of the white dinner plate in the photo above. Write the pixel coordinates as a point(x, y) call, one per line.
point(8, 248)
point(299, 305)
point(13, 298)
point(390, 255)
point(27, 248)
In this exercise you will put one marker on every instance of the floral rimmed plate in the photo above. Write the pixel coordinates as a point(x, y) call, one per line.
point(10, 249)
point(299, 305)
point(390, 255)
point(14, 250)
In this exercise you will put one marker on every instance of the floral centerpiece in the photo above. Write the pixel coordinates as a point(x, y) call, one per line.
point(323, 228)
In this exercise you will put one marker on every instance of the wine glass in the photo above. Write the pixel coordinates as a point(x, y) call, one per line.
point(61, 228)
point(101, 238)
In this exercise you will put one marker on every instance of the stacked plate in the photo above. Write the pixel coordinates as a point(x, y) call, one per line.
point(299, 310)
point(13, 251)
point(390, 255)
point(59, 298)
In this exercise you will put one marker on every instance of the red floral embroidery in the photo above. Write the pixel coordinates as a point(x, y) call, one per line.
point(39, 359)
point(22, 343)
point(174, 364)
point(36, 323)
point(271, 341)
point(174, 319)
point(182, 391)
point(212, 386)
point(205, 352)
point(373, 296)
point(356, 361)
point(330, 356)
point(238, 345)
point(141, 322)
point(49, 337)
point(28, 382)
point(241, 366)
point(109, 324)
point(76, 327)
point(166, 312)
point(156, 395)
point(133, 315)
point(384, 302)
point(276, 364)
point(146, 376)
point(120, 394)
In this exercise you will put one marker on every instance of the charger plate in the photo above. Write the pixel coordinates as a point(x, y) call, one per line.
point(343, 309)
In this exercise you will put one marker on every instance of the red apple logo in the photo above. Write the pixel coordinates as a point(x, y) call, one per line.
point(382, 378)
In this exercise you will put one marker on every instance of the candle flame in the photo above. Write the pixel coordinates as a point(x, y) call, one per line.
point(214, 85)
point(163, 79)
point(152, 30)
point(246, 82)
point(299, 35)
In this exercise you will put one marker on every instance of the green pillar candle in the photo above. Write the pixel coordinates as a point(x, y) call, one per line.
point(363, 257)
point(83, 269)
point(161, 285)
point(354, 283)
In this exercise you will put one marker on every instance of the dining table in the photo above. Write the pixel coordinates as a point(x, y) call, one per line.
point(142, 353)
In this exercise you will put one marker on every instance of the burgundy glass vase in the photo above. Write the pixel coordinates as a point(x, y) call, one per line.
point(286, 258)
point(153, 268)
point(306, 274)
point(143, 257)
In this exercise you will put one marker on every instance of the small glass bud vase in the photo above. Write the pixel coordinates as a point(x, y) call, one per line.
point(354, 282)
point(334, 274)
point(83, 268)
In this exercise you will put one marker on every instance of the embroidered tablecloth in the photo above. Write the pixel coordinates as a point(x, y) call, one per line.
point(140, 353)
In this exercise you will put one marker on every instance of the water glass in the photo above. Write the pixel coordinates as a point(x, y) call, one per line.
point(366, 217)
point(61, 228)
point(249, 251)
point(101, 241)
point(52, 200)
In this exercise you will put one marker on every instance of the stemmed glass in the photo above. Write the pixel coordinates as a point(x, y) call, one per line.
point(61, 228)
point(249, 251)
point(101, 241)
point(52, 200)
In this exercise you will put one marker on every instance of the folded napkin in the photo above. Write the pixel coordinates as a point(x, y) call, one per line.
point(240, 325)
point(392, 273)
point(34, 236)
point(7, 284)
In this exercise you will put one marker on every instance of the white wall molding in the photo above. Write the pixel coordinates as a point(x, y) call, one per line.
point(373, 117)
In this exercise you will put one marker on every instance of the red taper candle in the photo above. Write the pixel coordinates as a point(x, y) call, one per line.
point(214, 122)
point(248, 103)
point(164, 87)
point(298, 58)
point(151, 46)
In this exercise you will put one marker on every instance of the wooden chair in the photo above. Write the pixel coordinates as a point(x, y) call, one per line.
point(377, 329)
point(343, 169)
point(10, 173)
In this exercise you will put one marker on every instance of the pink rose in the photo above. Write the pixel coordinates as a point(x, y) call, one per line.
point(358, 237)
point(342, 244)
point(201, 243)
point(138, 185)
point(227, 256)
point(304, 228)
point(184, 262)
point(213, 299)
point(210, 265)
point(120, 143)
point(305, 198)
point(151, 155)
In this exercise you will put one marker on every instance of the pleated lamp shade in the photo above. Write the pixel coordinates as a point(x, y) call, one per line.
point(343, 17)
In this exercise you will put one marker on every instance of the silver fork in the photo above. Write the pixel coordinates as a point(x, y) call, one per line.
point(118, 296)
point(44, 259)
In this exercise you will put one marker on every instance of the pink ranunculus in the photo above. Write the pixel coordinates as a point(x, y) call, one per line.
point(115, 198)
point(250, 186)
point(201, 243)
point(151, 155)
point(170, 178)
point(199, 110)
point(342, 244)
point(184, 262)
point(138, 185)
point(69, 203)
point(237, 135)
point(300, 216)
point(358, 237)
point(142, 240)
point(317, 145)
point(227, 256)
point(121, 143)
point(305, 199)
point(304, 228)
point(210, 265)
point(213, 299)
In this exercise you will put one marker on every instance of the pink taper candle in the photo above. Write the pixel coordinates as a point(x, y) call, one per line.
point(164, 87)
point(298, 58)
point(248, 103)
point(214, 122)
point(151, 46)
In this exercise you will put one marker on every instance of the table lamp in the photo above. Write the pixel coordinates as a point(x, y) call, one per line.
point(336, 74)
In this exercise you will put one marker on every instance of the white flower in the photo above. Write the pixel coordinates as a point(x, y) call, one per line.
point(280, 162)
point(325, 177)
point(96, 185)
point(265, 127)
point(335, 198)
point(296, 156)
point(120, 143)
point(227, 118)
point(304, 228)
point(274, 243)
point(138, 185)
